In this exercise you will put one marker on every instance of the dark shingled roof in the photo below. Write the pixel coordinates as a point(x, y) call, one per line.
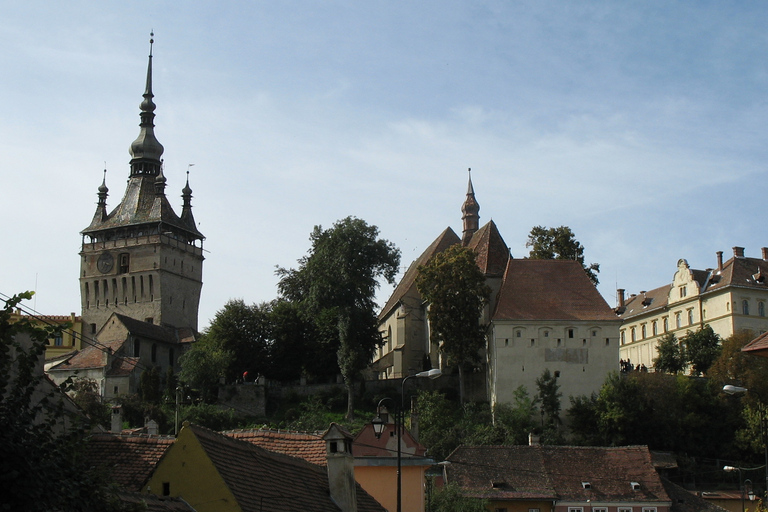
point(251, 473)
point(152, 503)
point(549, 290)
point(128, 459)
point(758, 346)
point(556, 473)
point(90, 357)
point(686, 501)
point(644, 302)
point(305, 445)
point(492, 252)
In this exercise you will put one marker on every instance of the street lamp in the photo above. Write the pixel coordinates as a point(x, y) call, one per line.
point(741, 485)
point(379, 424)
point(730, 389)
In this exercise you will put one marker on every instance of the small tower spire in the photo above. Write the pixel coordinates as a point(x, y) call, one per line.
point(470, 213)
point(146, 150)
point(186, 209)
point(101, 206)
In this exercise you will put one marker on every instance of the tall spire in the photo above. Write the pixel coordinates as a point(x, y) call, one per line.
point(146, 150)
point(470, 213)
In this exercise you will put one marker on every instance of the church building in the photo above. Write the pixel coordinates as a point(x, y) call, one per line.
point(141, 268)
point(542, 314)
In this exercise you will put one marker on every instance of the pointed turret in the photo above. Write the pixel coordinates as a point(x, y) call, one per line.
point(470, 213)
point(186, 209)
point(101, 205)
point(146, 150)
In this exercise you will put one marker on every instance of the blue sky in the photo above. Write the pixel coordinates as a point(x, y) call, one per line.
point(641, 125)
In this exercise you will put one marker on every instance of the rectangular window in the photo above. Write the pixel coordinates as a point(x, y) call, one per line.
point(575, 509)
point(625, 509)
point(570, 333)
point(649, 509)
point(58, 341)
point(599, 509)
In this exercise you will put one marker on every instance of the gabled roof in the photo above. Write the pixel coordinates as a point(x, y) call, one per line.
point(644, 302)
point(549, 290)
point(742, 272)
point(563, 473)
point(366, 444)
point(686, 501)
point(252, 473)
point(492, 252)
point(128, 459)
point(446, 239)
point(758, 346)
point(305, 445)
point(155, 332)
point(92, 356)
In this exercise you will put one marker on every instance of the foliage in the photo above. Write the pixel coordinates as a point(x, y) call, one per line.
point(702, 349)
point(335, 285)
point(671, 358)
point(149, 386)
point(85, 393)
point(549, 396)
point(450, 499)
point(209, 416)
point(454, 286)
point(559, 244)
point(43, 466)
point(583, 417)
point(203, 366)
point(736, 367)
point(515, 421)
point(244, 331)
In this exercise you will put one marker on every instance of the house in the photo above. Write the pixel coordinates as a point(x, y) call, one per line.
point(730, 297)
point(125, 347)
point(70, 338)
point(127, 459)
point(216, 472)
point(559, 478)
point(375, 460)
point(542, 314)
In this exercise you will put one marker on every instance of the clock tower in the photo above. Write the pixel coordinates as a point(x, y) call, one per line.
point(142, 260)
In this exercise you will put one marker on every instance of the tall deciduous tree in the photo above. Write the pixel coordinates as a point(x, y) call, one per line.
point(559, 244)
point(336, 286)
point(671, 356)
point(701, 349)
point(453, 285)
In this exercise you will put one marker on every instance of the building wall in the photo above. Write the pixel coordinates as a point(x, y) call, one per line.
point(520, 506)
point(381, 483)
point(582, 352)
point(162, 280)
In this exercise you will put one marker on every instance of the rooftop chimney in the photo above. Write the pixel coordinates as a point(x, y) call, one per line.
point(765, 253)
point(117, 419)
point(719, 261)
point(620, 294)
point(533, 440)
point(341, 469)
point(738, 252)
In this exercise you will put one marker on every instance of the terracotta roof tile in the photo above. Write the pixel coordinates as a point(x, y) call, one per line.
point(366, 444)
point(686, 501)
point(90, 357)
point(557, 472)
point(549, 290)
point(251, 473)
point(492, 252)
point(307, 446)
point(129, 459)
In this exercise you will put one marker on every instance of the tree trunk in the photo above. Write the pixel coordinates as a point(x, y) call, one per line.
point(350, 399)
point(461, 384)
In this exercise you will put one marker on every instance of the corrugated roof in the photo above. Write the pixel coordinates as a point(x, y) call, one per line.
point(549, 290)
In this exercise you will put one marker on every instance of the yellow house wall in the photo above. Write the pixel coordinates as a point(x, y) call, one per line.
point(192, 476)
point(381, 483)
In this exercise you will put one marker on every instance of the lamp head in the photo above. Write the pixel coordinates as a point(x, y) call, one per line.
point(378, 426)
point(432, 374)
point(730, 389)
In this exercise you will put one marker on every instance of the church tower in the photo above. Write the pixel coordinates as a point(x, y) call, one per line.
point(141, 259)
point(470, 213)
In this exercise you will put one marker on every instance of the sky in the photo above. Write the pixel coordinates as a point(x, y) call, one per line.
point(640, 125)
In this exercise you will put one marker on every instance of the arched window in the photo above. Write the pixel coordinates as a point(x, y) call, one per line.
point(632, 334)
point(642, 331)
point(678, 320)
point(745, 307)
point(690, 317)
point(655, 328)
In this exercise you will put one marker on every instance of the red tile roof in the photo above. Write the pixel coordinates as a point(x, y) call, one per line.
point(492, 252)
point(557, 473)
point(129, 459)
point(307, 446)
point(258, 477)
point(92, 356)
point(758, 346)
point(366, 444)
point(549, 290)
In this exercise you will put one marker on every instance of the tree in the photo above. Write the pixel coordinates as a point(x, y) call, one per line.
point(559, 244)
point(516, 420)
point(736, 367)
point(701, 349)
point(454, 287)
point(85, 393)
point(671, 358)
point(244, 331)
point(549, 396)
point(336, 284)
point(450, 499)
point(43, 463)
point(203, 366)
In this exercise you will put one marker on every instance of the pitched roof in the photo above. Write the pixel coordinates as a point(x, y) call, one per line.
point(129, 459)
point(366, 444)
point(305, 445)
point(446, 239)
point(92, 356)
point(492, 252)
point(686, 501)
point(253, 474)
point(758, 346)
point(549, 290)
point(645, 302)
point(152, 503)
point(155, 332)
point(557, 473)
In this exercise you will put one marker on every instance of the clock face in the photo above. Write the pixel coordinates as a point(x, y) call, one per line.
point(105, 263)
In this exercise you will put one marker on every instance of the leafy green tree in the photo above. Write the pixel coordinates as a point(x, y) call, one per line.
point(559, 244)
point(549, 396)
point(454, 287)
point(85, 393)
point(203, 366)
point(671, 356)
point(149, 386)
point(736, 367)
point(244, 331)
point(583, 415)
point(702, 349)
point(336, 284)
point(515, 421)
point(43, 465)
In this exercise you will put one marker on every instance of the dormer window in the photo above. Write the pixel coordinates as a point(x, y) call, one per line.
point(586, 485)
point(635, 486)
point(683, 291)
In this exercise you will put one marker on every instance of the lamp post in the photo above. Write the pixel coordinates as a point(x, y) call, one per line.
point(730, 389)
point(379, 425)
point(741, 484)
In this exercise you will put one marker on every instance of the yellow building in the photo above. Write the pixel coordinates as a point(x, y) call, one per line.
point(70, 338)
point(729, 298)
